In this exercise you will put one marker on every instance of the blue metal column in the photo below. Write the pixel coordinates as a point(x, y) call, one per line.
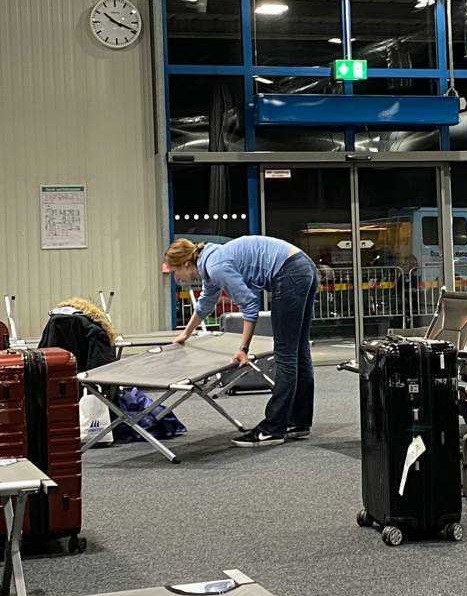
point(346, 26)
point(442, 64)
point(169, 198)
point(249, 92)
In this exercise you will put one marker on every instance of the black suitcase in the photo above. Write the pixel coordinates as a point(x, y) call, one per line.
point(232, 322)
point(252, 381)
point(408, 392)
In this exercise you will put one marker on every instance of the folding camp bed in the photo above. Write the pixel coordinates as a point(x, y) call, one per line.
point(173, 369)
point(159, 338)
point(236, 584)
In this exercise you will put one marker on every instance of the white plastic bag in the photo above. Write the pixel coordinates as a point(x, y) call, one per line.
point(93, 417)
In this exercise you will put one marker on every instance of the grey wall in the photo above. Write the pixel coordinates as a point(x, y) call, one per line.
point(72, 111)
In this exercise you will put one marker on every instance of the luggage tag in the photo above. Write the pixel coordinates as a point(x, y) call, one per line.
point(414, 451)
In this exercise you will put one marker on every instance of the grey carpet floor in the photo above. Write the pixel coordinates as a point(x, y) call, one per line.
point(283, 515)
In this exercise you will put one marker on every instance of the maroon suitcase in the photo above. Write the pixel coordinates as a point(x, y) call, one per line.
point(39, 419)
point(4, 337)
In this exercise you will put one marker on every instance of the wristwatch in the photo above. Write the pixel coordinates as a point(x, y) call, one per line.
point(244, 349)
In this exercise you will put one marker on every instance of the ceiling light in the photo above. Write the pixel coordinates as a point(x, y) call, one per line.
point(338, 40)
point(424, 3)
point(265, 81)
point(272, 8)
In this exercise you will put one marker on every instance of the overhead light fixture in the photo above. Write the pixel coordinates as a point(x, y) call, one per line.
point(338, 40)
point(424, 3)
point(272, 8)
point(265, 81)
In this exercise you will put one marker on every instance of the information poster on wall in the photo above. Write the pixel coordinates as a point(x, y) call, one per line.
point(63, 216)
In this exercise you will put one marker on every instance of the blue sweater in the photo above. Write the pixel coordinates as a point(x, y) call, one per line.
point(243, 267)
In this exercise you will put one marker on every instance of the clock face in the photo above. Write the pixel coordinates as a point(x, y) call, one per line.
point(115, 23)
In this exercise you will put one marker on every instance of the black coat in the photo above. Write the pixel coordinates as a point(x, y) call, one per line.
point(81, 336)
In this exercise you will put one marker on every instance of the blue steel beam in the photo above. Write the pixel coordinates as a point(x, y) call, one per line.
point(170, 200)
point(250, 124)
point(442, 63)
point(204, 69)
point(346, 28)
point(361, 110)
point(307, 71)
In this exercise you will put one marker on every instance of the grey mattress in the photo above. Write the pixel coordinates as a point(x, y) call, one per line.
point(156, 338)
point(163, 366)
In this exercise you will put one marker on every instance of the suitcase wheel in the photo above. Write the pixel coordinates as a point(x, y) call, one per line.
point(76, 545)
point(392, 536)
point(454, 532)
point(364, 519)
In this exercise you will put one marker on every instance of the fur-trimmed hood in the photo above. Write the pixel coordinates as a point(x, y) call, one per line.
point(91, 311)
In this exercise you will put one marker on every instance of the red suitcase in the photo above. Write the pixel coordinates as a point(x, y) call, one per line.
point(4, 337)
point(39, 419)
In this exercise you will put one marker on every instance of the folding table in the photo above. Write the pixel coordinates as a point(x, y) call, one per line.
point(190, 369)
point(18, 478)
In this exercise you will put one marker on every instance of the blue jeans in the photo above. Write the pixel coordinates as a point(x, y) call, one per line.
point(293, 294)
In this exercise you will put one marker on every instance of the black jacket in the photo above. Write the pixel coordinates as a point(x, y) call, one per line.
point(81, 336)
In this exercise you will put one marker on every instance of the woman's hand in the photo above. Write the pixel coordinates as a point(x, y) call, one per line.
point(180, 338)
point(240, 358)
point(186, 333)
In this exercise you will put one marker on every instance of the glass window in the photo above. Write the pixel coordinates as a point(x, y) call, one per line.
point(210, 203)
point(308, 34)
point(298, 138)
point(459, 210)
point(459, 38)
point(430, 231)
point(375, 141)
point(311, 209)
point(294, 85)
point(206, 113)
point(393, 86)
point(402, 267)
point(459, 231)
point(458, 133)
point(204, 32)
point(393, 34)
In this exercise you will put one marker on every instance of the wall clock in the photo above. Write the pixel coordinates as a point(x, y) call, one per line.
point(115, 23)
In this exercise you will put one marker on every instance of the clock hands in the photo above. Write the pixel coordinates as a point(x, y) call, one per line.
point(120, 24)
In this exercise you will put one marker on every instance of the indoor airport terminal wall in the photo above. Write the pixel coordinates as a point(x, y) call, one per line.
point(338, 127)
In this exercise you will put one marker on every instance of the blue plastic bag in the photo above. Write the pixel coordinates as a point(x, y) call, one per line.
point(133, 401)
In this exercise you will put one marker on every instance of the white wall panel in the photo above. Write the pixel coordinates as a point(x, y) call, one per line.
point(72, 112)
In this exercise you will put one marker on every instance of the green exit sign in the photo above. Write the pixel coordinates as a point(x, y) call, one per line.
point(350, 70)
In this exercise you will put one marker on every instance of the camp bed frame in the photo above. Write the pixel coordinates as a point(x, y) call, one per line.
point(178, 372)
